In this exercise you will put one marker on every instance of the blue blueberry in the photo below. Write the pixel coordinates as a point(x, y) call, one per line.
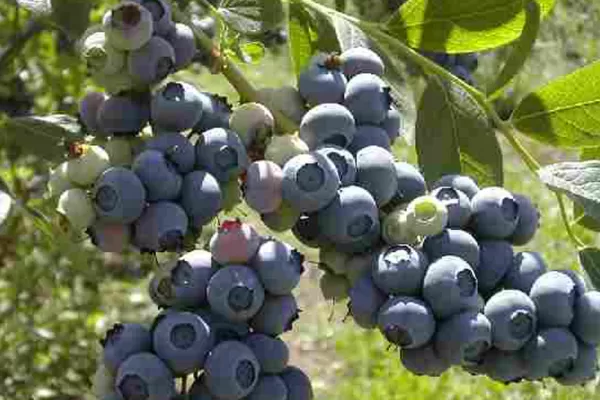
point(369, 135)
point(176, 107)
point(361, 60)
point(182, 340)
point(550, 353)
point(580, 285)
point(222, 329)
point(392, 124)
point(376, 172)
point(529, 221)
point(298, 384)
point(279, 266)
point(215, 113)
point(235, 292)
point(181, 37)
point(161, 227)
point(365, 301)
point(160, 178)
point(411, 183)
point(450, 286)
point(110, 238)
point(513, 317)
point(144, 376)
point(367, 96)
point(454, 242)
point(119, 196)
point(269, 387)
point(177, 149)
point(161, 15)
point(423, 360)
point(526, 267)
point(463, 338)
point(276, 316)
point(263, 186)
point(495, 213)
point(468, 60)
point(464, 183)
point(152, 62)
point(322, 83)
point(457, 203)
point(201, 197)
point(222, 153)
point(586, 321)
point(89, 106)
point(122, 341)
point(584, 368)
point(406, 321)
point(463, 73)
point(343, 160)
point(554, 296)
point(272, 353)
point(121, 115)
point(400, 270)
point(495, 259)
point(504, 366)
point(327, 123)
point(189, 278)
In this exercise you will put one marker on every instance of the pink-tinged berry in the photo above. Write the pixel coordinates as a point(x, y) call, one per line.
point(234, 243)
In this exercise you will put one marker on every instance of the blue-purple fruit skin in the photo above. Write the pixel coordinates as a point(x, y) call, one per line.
point(450, 286)
point(159, 176)
point(221, 328)
point(182, 340)
point(360, 60)
point(586, 321)
point(343, 160)
point(263, 186)
point(276, 316)
point(580, 285)
point(550, 353)
point(190, 277)
point(463, 338)
point(122, 115)
point(457, 203)
point(423, 361)
point(176, 148)
point(89, 107)
point(122, 341)
point(400, 270)
point(392, 124)
point(201, 197)
point(585, 367)
point(495, 259)
point(351, 220)
point(148, 371)
point(369, 135)
point(152, 62)
point(221, 152)
point(235, 292)
point(495, 213)
point(298, 384)
point(231, 370)
point(411, 183)
point(365, 301)
point(367, 97)
point(504, 366)
point(328, 123)
point(513, 317)
point(464, 183)
point(181, 37)
point(318, 84)
point(554, 296)
point(161, 15)
point(161, 227)
point(406, 321)
point(529, 221)
point(269, 387)
point(215, 113)
point(527, 266)
point(376, 172)
point(176, 107)
point(310, 182)
point(119, 196)
point(272, 353)
point(279, 266)
point(455, 242)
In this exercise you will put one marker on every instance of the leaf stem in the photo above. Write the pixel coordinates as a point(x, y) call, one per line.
point(563, 212)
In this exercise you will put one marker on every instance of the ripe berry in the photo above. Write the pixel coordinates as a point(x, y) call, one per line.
point(406, 321)
point(235, 292)
point(128, 26)
point(279, 266)
point(361, 60)
point(159, 176)
point(161, 227)
point(367, 96)
point(234, 243)
point(276, 316)
point(123, 341)
point(144, 375)
point(119, 196)
point(327, 123)
point(222, 153)
point(376, 172)
point(176, 107)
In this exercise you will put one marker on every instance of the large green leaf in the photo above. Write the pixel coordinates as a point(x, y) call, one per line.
point(251, 16)
point(565, 112)
point(40, 136)
point(587, 153)
point(301, 36)
point(461, 26)
point(590, 260)
point(72, 16)
point(453, 135)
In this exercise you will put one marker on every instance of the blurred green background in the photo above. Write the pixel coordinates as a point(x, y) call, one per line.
point(58, 296)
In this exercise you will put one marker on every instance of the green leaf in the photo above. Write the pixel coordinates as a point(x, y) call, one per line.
point(301, 37)
point(252, 52)
point(327, 38)
point(37, 6)
point(244, 16)
point(587, 153)
point(453, 135)
point(5, 206)
point(463, 26)
point(580, 181)
point(521, 49)
point(72, 16)
point(272, 13)
point(565, 112)
point(590, 260)
point(40, 136)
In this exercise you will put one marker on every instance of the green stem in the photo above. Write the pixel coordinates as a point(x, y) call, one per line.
point(563, 212)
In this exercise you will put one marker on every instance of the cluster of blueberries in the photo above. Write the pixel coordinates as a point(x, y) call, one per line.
point(222, 313)
point(461, 65)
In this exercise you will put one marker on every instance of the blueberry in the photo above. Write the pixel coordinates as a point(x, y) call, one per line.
point(307, 231)
point(263, 186)
point(161, 227)
point(189, 278)
point(322, 83)
point(221, 152)
point(392, 124)
point(584, 368)
point(406, 321)
point(504, 366)
point(367, 96)
point(276, 316)
point(117, 83)
point(177, 149)
point(182, 340)
point(269, 387)
point(161, 15)
point(282, 219)
point(464, 74)
point(526, 267)
point(123, 341)
point(88, 110)
point(334, 287)
point(159, 176)
point(231, 370)
point(463, 183)
point(396, 229)
point(215, 113)
point(152, 62)
point(298, 384)
point(120, 152)
point(495, 213)
point(361, 60)
point(376, 172)
point(100, 57)
point(427, 216)
point(128, 26)
point(279, 266)
point(455, 242)
point(423, 360)
point(457, 203)
point(272, 353)
point(586, 321)
point(351, 220)
point(327, 123)
point(513, 317)
point(554, 296)
point(310, 182)
point(122, 115)
point(552, 352)
point(400, 270)
point(182, 39)
point(369, 135)
point(529, 220)
point(221, 328)
point(365, 302)
point(119, 196)
point(176, 107)
point(285, 99)
point(110, 238)
point(450, 286)
point(144, 376)
point(253, 122)
point(343, 160)
point(87, 166)
point(495, 259)
point(282, 148)
point(468, 60)
point(580, 285)
point(201, 197)
point(235, 292)
point(234, 243)
point(58, 182)
point(463, 338)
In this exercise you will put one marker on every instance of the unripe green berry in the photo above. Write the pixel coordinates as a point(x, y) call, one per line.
point(128, 26)
point(100, 57)
point(282, 148)
point(283, 219)
point(58, 183)
point(85, 169)
point(335, 261)
point(285, 99)
point(252, 121)
point(396, 228)
point(334, 287)
point(77, 208)
point(120, 152)
point(115, 83)
point(427, 215)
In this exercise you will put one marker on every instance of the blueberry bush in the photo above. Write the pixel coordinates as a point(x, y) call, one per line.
point(250, 166)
